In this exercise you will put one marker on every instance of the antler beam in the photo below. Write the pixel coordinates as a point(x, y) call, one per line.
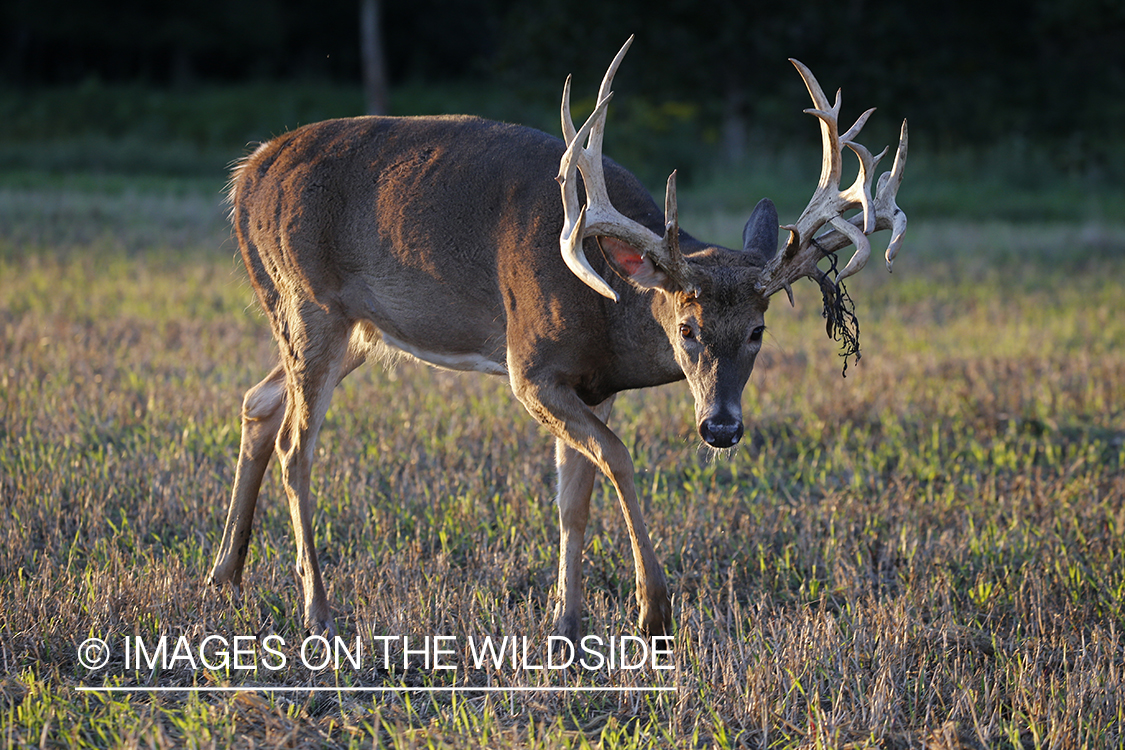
point(828, 204)
point(598, 216)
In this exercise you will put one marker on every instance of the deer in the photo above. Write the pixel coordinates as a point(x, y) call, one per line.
point(442, 238)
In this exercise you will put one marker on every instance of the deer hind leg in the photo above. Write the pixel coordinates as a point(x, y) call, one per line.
point(262, 409)
point(560, 410)
point(316, 357)
point(576, 482)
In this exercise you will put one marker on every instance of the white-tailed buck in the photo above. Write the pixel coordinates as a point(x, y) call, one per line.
point(440, 237)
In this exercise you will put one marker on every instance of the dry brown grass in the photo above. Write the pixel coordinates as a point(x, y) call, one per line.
point(927, 553)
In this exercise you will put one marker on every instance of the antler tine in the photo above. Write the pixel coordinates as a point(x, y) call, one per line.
point(574, 216)
point(671, 211)
point(828, 114)
point(607, 80)
point(860, 191)
point(567, 122)
point(590, 157)
point(887, 192)
point(853, 131)
point(829, 202)
point(603, 92)
point(598, 216)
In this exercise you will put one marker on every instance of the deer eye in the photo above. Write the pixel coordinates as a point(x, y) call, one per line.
point(756, 334)
point(686, 331)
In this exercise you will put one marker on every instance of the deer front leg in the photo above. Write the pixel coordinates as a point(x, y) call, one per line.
point(559, 409)
point(576, 482)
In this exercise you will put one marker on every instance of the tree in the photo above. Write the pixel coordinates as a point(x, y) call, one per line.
point(374, 65)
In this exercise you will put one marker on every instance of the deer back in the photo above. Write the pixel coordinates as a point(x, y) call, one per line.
point(441, 231)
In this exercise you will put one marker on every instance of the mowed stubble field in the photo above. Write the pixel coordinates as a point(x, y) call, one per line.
point(928, 552)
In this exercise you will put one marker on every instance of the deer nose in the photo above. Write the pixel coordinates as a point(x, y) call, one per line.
point(721, 432)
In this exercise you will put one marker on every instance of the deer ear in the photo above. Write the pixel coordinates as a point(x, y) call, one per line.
point(632, 264)
point(760, 234)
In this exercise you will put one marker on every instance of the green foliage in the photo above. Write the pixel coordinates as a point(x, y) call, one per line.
point(964, 72)
point(99, 135)
point(131, 129)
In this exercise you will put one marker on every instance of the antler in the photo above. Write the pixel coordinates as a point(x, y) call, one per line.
point(598, 216)
point(829, 203)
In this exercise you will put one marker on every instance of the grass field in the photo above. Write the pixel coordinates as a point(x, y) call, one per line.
point(926, 553)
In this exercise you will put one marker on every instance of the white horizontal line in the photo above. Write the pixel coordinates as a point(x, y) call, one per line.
point(362, 689)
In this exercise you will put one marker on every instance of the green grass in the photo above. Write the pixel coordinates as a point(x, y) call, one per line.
point(929, 550)
point(926, 552)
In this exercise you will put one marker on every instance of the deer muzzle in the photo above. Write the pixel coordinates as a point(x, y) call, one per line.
point(721, 430)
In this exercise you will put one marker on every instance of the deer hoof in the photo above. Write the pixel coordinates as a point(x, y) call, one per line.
point(223, 573)
point(220, 581)
point(324, 627)
point(569, 627)
point(656, 617)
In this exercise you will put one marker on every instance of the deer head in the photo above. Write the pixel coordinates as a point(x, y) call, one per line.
point(711, 301)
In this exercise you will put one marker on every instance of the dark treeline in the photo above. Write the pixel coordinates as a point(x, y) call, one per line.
point(969, 70)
